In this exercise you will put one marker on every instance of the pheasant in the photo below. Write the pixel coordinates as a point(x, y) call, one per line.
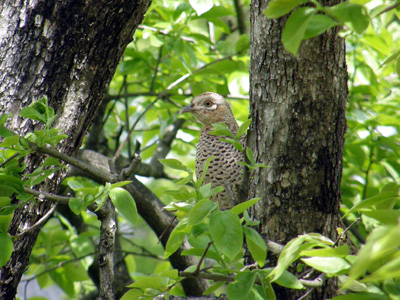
point(224, 170)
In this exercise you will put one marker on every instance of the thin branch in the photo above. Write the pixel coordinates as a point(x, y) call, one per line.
point(349, 227)
point(353, 229)
point(165, 32)
point(166, 229)
point(55, 198)
point(117, 97)
point(202, 258)
point(317, 282)
point(9, 159)
point(38, 223)
point(128, 172)
point(153, 80)
point(131, 95)
point(240, 16)
point(48, 196)
point(389, 8)
point(215, 277)
point(97, 173)
point(126, 102)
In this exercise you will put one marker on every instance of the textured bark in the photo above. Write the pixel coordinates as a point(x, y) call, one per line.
point(298, 110)
point(67, 50)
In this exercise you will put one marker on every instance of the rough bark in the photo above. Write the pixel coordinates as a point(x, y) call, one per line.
point(67, 50)
point(298, 111)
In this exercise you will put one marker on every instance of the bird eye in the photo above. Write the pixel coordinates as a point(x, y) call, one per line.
point(207, 104)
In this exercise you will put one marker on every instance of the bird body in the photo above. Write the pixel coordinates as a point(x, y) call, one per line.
point(224, 170)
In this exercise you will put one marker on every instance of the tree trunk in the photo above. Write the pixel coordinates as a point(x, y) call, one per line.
point(298, 111)
point(67, 50)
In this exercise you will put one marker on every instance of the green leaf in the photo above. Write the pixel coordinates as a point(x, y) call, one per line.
point(318, 24)
point(363, 296)
point(374, 200)
point(10, 185)
point(4, 118)
point(176, 238)
point(387, 271)
point(240, 288)
point(243, 128)
point(221, 129)
point(250, 156)
point(207, 192)
point(226, 232)
point(200, 211)
point(329, 265)
point(5, 221)
point(380, 244)
point(33, 114)
point(256, 245)
point(295, 28)
point(51, 161)
point(391, 58)
point(4, 132)
point(354, 15)
point(173, 164)
point(241, 207)
point(120, 184)
point(341, 251)
point(385, 216)
point(102, 195)
point(289, 254)
point(279, 8)
point(132, 294)
point(76, 205)
point(125, 204)
point(205, 168)
point(287, 279)
point(212, 288)
point(6, 248)
point(10, 141)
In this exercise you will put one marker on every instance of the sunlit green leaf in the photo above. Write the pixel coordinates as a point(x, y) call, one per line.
point(296, 27)
point(226, 232)
point(256, 245)
point(125, 204)
point(200, 211)
point(279, 8)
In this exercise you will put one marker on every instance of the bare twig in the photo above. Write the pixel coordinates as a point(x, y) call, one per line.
point(202, 258)
point(210, 276)
point(38, 223)
point(128, 172)
point(166, 229)
point(165, 32)
point(97, 173)
point(317, 282)
point(346, 230)
point(9, 159)
point(240, 17)
point(48, 196)
point(389, 8)
point(153, 80)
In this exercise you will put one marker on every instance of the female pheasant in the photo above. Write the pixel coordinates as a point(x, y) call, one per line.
point(224, 170)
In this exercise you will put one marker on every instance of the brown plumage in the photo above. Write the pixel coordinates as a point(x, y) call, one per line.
point(224, 170)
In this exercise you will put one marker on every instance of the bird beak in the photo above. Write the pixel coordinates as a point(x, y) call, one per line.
point(188, 108)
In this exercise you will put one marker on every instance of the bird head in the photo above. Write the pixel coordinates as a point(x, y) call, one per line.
point(211, 108)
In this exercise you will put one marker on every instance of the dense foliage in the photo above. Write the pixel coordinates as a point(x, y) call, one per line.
point(185, 48)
